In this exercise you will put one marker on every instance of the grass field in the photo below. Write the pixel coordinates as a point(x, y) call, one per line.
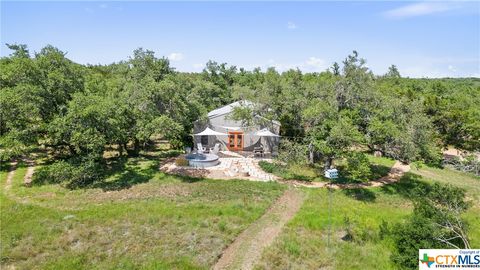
point(316, 237)
point(140, 218)
point(320, 236)
point(155, 221)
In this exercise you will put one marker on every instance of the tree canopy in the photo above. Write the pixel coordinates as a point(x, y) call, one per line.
point(78, 110)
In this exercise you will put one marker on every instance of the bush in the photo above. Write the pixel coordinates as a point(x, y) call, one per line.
point(470, 164)
point(358, 167)
point(408, 238)
point(292, 152)
point(275, 168)
point(181, 161)
point(267, 166)
point(436, 223)
point(72, 173)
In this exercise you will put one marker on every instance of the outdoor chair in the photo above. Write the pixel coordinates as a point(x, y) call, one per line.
point(201, 149)
point(258, 151)
point(215, 149)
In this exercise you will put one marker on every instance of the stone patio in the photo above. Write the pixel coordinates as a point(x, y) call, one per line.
point(232, 166)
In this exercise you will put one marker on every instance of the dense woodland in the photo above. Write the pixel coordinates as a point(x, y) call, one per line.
point(76, 111)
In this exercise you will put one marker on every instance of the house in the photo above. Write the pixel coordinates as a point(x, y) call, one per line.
point(237, 136)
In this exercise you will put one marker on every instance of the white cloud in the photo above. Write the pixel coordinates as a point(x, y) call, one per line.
point(103, 5)
point(176, 56)
point(315, 62)
point(419, 9)
point(291, 25)
point(452, 68)
point(312, 64)
point(198, 66)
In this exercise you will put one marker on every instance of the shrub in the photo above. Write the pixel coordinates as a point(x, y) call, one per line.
point(292, 152)
point(181, 161)
point(436, 222)
point(275, 168)
point(267, 166)
point(470, 164)
point(358, 167)
point(72, 173)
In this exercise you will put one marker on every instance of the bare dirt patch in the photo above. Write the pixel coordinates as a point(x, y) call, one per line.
point(27, 180)
point(247, 248)
point(11, 172)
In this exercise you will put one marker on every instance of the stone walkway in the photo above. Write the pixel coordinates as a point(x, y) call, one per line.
point(244, 168)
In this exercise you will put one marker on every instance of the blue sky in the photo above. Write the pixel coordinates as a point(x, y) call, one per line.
point(424, 39)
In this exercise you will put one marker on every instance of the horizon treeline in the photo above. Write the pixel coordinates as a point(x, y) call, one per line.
point(76, 110)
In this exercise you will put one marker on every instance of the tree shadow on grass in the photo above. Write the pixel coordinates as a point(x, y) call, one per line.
point(189, 179)
point(379, 171)
point(294, 176)
point(409, 186)
point(160, 155)
point(188, 174)
point(360, 194)
point(119, 176)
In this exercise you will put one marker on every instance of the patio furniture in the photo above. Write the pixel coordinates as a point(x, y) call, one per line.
point(258, 151)
point(201, 149)
point(215, 149)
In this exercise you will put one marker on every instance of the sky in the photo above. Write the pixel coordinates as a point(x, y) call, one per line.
point(423, 39)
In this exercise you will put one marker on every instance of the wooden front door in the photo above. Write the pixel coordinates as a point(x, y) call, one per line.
point(235, 141)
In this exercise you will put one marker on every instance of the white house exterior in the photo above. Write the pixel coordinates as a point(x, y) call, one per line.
point(239, 138)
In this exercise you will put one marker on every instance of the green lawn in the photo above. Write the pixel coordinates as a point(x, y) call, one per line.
point(138, 218)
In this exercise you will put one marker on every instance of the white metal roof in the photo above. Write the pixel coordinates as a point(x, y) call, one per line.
point(265, 133)
point(210, 132)
point(229, 108)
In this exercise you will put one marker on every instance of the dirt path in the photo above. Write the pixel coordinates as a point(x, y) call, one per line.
point(247, 248)
point(396, 172)
point(28, 175)
point(11, 172)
